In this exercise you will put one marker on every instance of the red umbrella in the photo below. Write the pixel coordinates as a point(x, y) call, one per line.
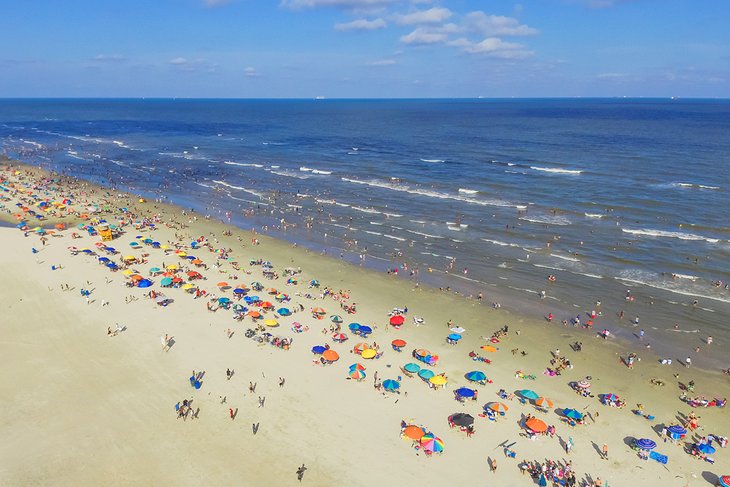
point(397, 320)
point(398, 343)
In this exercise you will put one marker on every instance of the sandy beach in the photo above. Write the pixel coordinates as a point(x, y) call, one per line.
point(83, 407)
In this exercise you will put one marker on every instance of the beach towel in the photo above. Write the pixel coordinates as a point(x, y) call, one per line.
point(658, 457)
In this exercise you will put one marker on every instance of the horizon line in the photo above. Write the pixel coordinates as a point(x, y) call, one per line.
point(325, 98)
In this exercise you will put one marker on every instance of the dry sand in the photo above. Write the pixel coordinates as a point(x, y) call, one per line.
point(82, 408)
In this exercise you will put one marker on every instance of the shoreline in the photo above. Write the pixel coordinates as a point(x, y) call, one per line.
point(375, 294)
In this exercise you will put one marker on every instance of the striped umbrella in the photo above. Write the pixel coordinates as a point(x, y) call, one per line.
point(544, 402)
point(432, 443)
point(497, 407)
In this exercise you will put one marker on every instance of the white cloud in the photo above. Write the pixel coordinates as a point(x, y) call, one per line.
point(215, 3)
point(496, 25)
point(109, 58)
point(434, 15)
point(383, 62)
point(362, 24)
point(493, 47)
point(178, 61)
point(422, 36)
point(251, 72)
point(185, 64)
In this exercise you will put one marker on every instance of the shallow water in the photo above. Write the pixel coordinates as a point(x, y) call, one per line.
point(626, 192)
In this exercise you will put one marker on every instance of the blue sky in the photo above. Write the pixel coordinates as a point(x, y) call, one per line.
point(365, 48)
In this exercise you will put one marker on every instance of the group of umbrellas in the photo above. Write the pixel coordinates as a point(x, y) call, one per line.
point(429, 442)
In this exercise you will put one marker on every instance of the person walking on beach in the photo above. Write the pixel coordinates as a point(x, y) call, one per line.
point(300, 472)
point(605, 451)
point(493, 465)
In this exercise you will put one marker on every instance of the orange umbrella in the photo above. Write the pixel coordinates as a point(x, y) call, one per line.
point(414, 432)
point(536, 425)
point(197, 261)
point(489, 348)
point(271, 290)
point(254, 314)
point(360, 347)
point(330, 355)
point(267, 304)
point(398, 343)
point(222, 284)
point(544, 402)
point(319, 311)
point(422, 352)
point(136, 277)
point(498, 407)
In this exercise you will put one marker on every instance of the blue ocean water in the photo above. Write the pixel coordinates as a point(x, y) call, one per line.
point(607, 195)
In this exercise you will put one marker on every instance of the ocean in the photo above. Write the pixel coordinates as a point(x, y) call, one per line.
point(610, 196)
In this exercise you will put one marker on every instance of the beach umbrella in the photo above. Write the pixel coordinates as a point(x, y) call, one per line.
point(133, 244)
point(182, 254)
point(250, 299)
point(438, 380)
point(476, 376)
point(126, 257)
point(498, 407)
point(195, 275)
point(489, 348)
point(254, 314)
point(197, 262)
point(677, 430)
point(318, 350)
point(356, 374)
point(103, 260)
point(724, 481)
point(457, 329)
point(112, 265)
point(365, 330)
point(610, 397)
point(528, 394)
point(222, 284)
point(339, 337)
point(330, 355)
point(462, 419)
point(432, 443)
point(155, 245)
point(271, 322)
point(188, 286)
point(283, 311)
point(584, 384)
point(319, 311)
point(464, 391)
point(354, 326)
point(412, 368)
point(426, 374)
point(397, 320)
point(398, 343)
point(166, 282)
point(454, 336)
point(147, 241)
point(391, 385)
point(266, 305)
point(360, 347)
point(144, 283)
point(336, 318)
point(236, 307)
point(706, 449)
point(572, 414)
point(544, 402)
point(281, 297)
point(171, 267)
point(414, 432)
point(421, 352)
point(155, 270)
point(368, 353)
point(223, 300)
point(536, 425)
point(357, 366)
point(645, 444)
point(238, 290)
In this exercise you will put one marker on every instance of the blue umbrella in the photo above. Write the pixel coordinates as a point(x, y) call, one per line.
point(645, 444)
point(391, 385)
point(223, 300)
point(191, 257)
point(156, 244)
point(251, 299)
point(425, 374)
point(465, 392)
point(167, 281)
point(238, 290)
point(476, 376)
point(144, 283)
point(255, 299)
point(112, 265)
point(454, 336)
point(147, 241)
point(318, 350)
point(283, 311)
point(677, 430)
point(412, 368)
point(572, 414)
point(365, 330)
point(354, 326)
point(103, 259)
point(706, 449)
point(111, 249)
point(528, 394)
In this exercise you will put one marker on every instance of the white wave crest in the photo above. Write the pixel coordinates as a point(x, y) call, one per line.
point(547, 219)
point(555, 170)
point(661, 233)
point(243, 164)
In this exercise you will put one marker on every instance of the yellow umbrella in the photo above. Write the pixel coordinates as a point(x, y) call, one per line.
point(188, 286)
point(182, 254)
point(164, 247)
point(129, 257)
point(172, 267)
point(270, 322)
point(438, 380)
point(368, 353)
point(127, 272)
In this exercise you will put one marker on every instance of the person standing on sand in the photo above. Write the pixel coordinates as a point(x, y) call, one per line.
point(300, 472)
point(493, 465)
point(605, 451)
